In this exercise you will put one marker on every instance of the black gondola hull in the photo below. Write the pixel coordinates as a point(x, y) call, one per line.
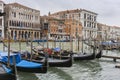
point(58, 63)
point(33, 70)
point(7, 76)
point(99, 55)
point(77, 57)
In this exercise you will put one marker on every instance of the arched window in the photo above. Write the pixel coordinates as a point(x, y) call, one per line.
point(22, 34)
point(15, 24)
point(35, 35)
point(10, 22)
point(19, 24)
point(29, 35)
point(15, 35)
point(26, 35)
point(26, 25)
point(11, 33)
point(29, 24)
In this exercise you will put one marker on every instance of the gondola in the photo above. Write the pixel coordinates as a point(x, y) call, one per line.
point(75, 56)
point(24, 65)
point(99, 55)
point(7, 73)
point(80, 56)
point(51, 61)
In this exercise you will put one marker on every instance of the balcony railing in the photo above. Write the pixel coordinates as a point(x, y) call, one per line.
point(25, 28)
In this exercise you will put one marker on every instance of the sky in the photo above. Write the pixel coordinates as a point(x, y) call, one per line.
point(108, 10)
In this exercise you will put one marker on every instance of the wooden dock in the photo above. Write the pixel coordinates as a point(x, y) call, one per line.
point(117, 66)
point(113, 57)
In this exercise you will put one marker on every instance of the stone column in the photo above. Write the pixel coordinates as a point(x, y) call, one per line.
point(17, 34)
point(33, 35)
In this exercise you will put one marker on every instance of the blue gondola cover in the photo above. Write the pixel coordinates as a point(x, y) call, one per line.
point(7, 69)
point(19, 62)
point(57, 49)
point(28, 64)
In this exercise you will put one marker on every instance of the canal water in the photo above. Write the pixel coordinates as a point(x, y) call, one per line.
point(98, 69)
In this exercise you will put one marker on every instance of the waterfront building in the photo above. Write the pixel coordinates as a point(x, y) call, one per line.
point(22, 21)
point(108, 33)
point(87, 18)
point(2, 20)
point(99, 31)
point(53, 28)
point(115, 33)
point(104, 31)
point(60, 28)
point(73, 28)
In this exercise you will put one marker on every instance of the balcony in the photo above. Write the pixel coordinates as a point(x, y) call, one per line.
point(26, 28)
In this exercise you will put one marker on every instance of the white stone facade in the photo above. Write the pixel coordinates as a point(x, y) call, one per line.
point(89, 23)
point(22, 21)
point(115, 33)
point(2, 20)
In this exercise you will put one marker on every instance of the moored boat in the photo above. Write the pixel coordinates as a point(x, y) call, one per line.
point(24, 65)
point(99, 55)
point(7, 73)
point(51, 61)
point(75, 56)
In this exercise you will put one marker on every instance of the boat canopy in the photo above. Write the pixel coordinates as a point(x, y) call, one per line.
point(57, 49)
point(108, 43)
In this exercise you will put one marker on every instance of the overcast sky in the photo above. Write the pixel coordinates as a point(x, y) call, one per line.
point(108, 10)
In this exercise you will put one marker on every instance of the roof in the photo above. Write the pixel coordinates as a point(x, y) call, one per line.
point(2, 1)
point(66, 11)
point(73, 11)
point(88, 11)
point(17, 4)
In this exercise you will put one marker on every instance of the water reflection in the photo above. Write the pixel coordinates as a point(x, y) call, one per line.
point(84, 70)
point(26, 76)
point(56, 74)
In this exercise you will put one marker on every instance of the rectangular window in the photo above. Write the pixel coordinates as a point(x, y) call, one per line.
point(0, 10)
point(90, 24)
point(95, 18)
point(90, 17)
point(45, 26)
point(0, 22)
point(0, 33)
point(95, 25)
point(85, 16)
point(36, 17)
point(14, 14)
point(84, 23)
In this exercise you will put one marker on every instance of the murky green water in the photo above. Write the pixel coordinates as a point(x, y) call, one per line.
point(81, 70)
point(98, 69)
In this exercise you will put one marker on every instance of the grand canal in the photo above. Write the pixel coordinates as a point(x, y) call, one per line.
point(98, 69)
